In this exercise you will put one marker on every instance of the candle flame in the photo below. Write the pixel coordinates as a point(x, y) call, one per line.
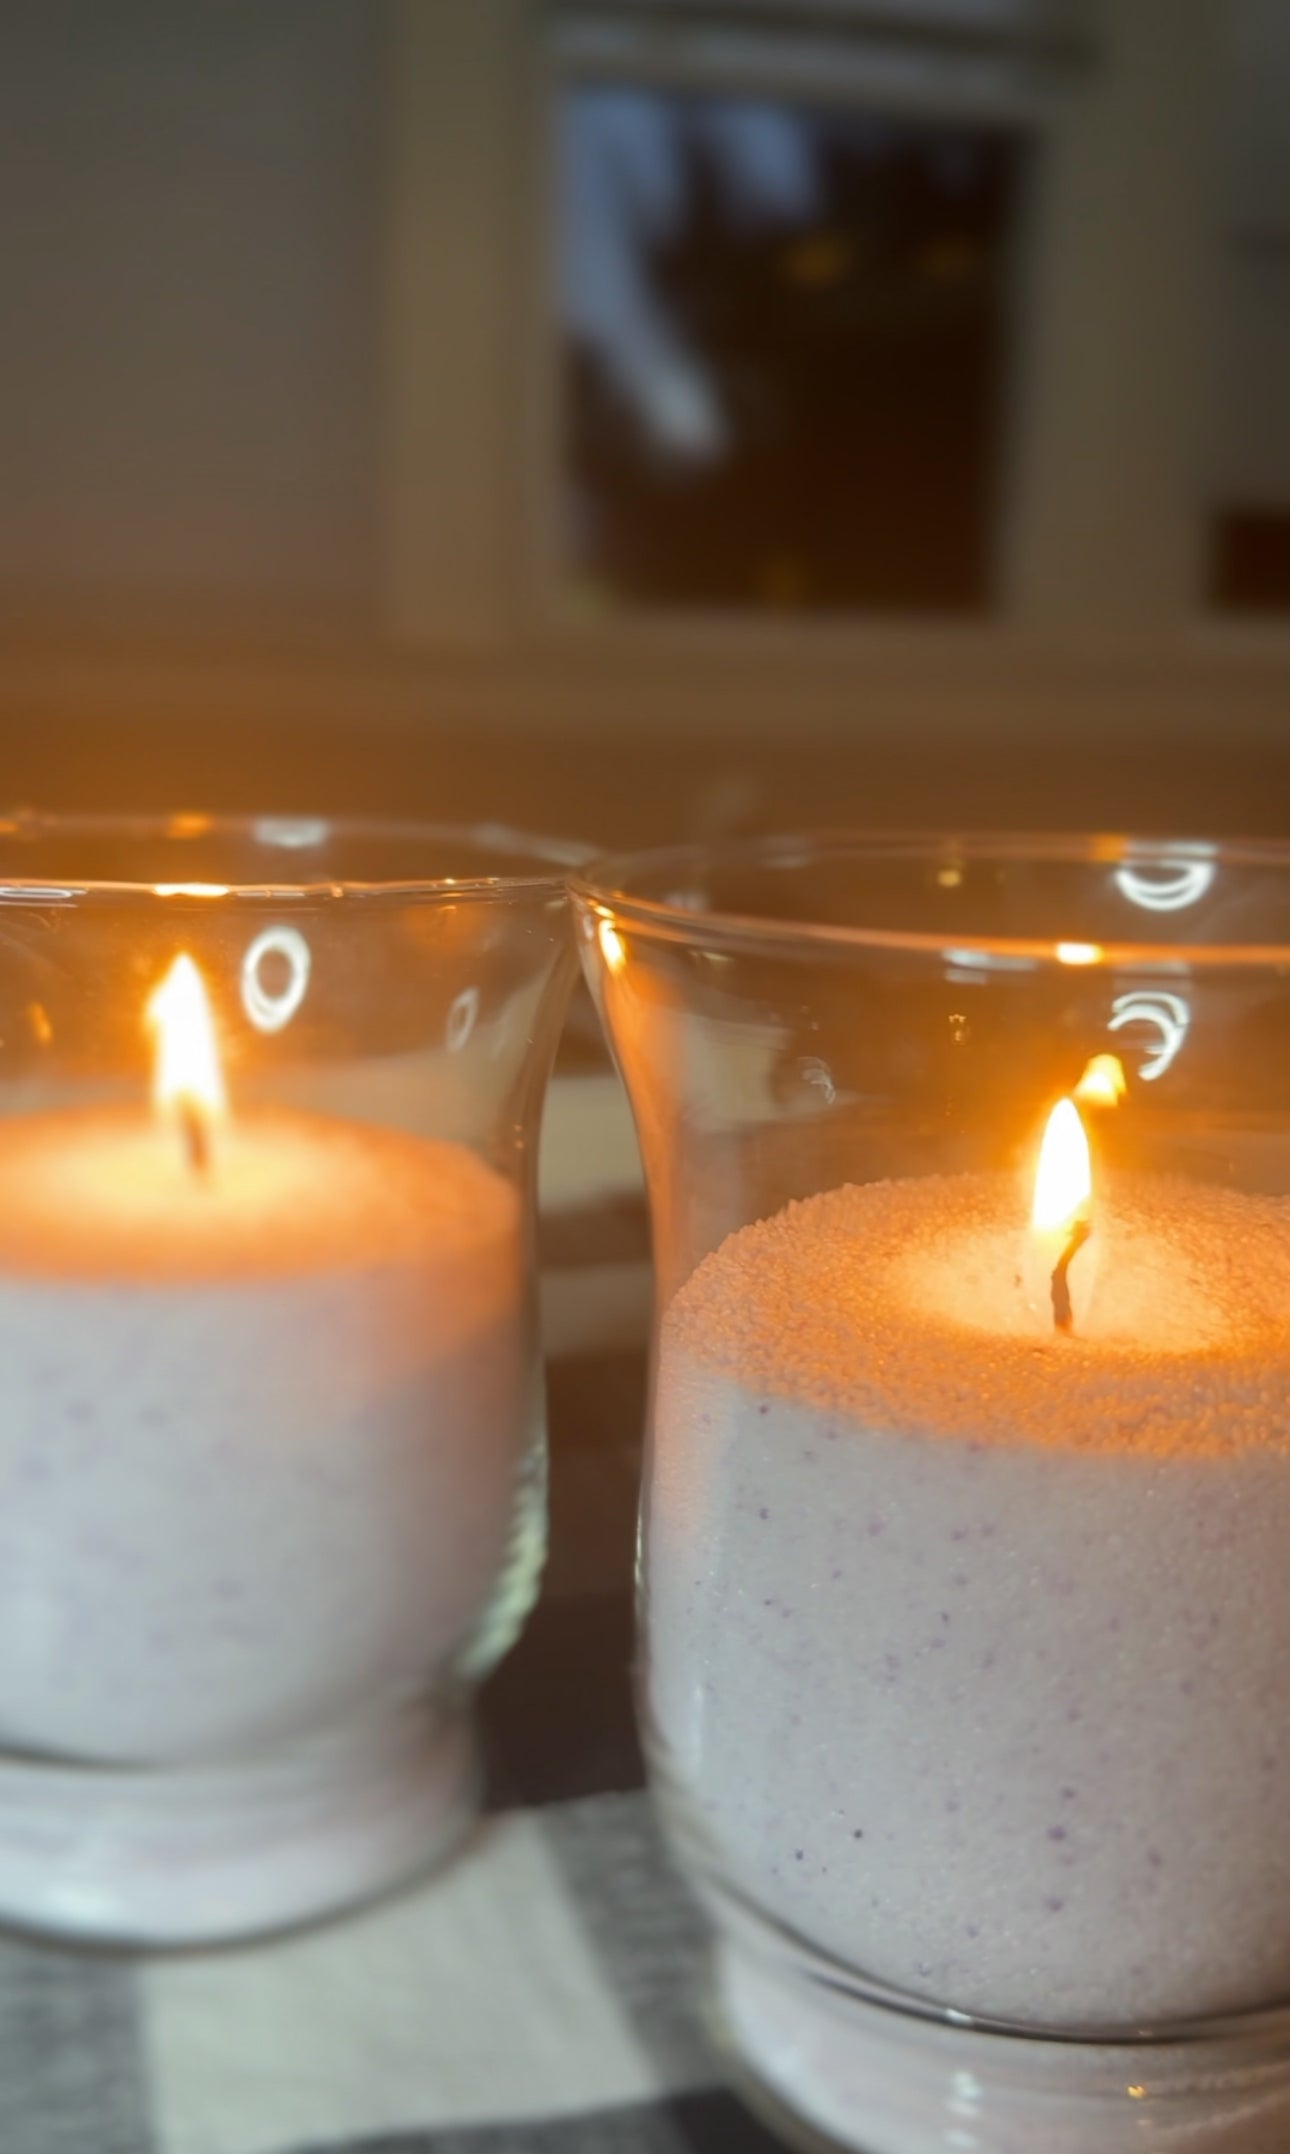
point(1103, 1082)
point(611, 944)
point(186, 1075)
point(1063, 1178)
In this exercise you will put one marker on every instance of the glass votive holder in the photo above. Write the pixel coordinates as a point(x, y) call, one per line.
point(964, 1597)
point(271, 1441)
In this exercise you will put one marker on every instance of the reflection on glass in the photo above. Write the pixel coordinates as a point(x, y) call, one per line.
point(1167, 886)
point(964, 965)
point(272, 1005)
point(1169, 1016)
point(784, 351)
point(461, 1019)
point(292, 831)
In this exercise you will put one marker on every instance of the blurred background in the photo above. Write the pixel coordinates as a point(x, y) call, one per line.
point(648, 418)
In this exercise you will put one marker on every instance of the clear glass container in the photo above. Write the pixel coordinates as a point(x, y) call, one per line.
point(271, 1443)
point(964, 1599)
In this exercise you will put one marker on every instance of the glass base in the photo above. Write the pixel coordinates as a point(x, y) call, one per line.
point(208, 1855)
point(833, 2071)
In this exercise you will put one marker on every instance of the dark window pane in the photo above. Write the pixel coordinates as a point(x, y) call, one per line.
point(785, 348)
point(1252, 560)
point(1249, 476)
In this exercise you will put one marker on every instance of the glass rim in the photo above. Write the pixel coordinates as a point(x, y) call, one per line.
point(544, 862)
point(603, 886)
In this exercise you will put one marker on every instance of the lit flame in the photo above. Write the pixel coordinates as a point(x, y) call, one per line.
point(611, 944)
point(1079, 953)
point(1063, 1178)
point(186, 1077)
point(1103, 1083)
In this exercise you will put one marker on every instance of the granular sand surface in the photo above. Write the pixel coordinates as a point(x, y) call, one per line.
point(900, 1305)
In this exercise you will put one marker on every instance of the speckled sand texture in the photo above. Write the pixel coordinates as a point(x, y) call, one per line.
point(262, 1452)
point(970, 1645)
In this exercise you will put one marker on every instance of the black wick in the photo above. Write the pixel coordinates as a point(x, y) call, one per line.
point(1063, 1315)
point(197, 1138)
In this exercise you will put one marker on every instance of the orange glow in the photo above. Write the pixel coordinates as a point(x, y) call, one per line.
point(211, 890)
point(186, 1076)
point(1064, 1177)
point(1079, 953)
point(611, 944)
point(1103, 1083)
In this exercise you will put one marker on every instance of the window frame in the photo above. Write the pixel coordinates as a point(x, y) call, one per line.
point(1102, 556)
point(880, 72)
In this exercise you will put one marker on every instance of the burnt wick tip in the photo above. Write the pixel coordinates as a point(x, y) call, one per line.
point(197, 1139)
point(1063, 1314)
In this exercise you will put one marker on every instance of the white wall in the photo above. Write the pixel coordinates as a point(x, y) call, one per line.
point(189, 260)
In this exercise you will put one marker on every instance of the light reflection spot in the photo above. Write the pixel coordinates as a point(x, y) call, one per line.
point(267, 1011)
point(1165, 886)
point(462, 1014)
point(1170, 1016)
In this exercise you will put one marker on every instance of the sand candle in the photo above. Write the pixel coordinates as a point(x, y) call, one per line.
point(967, 1591)
point(266, 1412)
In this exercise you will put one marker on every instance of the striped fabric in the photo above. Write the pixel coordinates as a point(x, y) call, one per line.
point(538, 1997)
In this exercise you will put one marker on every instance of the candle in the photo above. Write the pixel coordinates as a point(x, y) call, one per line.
point(266, 1406)
point(967, 1590)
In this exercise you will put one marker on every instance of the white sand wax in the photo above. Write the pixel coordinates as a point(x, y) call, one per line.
point(262, 1447)
point(969, 1645)
point(253, 1480)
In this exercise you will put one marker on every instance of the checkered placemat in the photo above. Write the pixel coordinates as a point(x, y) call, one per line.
point(539, 1996)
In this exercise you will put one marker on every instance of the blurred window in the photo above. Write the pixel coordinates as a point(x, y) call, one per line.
point(1250, 486)
point(786, 344)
